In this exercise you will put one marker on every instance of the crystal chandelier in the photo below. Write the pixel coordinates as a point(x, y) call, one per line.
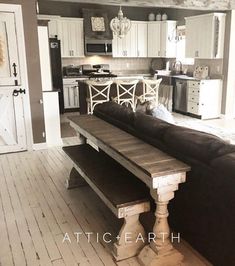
point(120, 25)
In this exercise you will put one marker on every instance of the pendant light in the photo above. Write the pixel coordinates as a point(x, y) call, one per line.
point(120, 25)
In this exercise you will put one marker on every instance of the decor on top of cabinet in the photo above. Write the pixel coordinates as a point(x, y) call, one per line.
point(158, 17)
point(120, 25)
point(151, 17)
point(201, 72)
point(96, 24)
point(164, 16)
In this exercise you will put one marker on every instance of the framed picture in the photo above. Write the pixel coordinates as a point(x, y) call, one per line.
point(97, 24)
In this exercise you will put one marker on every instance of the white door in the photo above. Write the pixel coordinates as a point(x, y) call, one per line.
point(12, 125)
point(9, 64)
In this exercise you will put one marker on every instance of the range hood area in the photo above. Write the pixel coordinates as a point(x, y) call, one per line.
point(98, 35)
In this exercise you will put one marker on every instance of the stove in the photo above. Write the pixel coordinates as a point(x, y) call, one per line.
point(101, 75)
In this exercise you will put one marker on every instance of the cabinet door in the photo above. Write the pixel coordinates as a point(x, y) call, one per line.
point(53, 28)
point(205, 37)
point(76, 38)
point(154, 39)
point(142, 39)
point(191, 41)
point(126, 46)
point(115, 46)
point(131, 41)
point(118, 46)
point(71, 96)
point(168, 42)
point(64, 36)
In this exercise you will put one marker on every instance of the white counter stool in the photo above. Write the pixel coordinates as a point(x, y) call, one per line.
point(126, 92)
point(98, 93)
point(150, 90)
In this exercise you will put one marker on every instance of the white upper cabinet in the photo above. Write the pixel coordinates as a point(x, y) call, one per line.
point(142, 39)
point(168, 39)
point(205, 36)
point(154, 39)
point(134, 44)
point(70, 33)
point(52, 24)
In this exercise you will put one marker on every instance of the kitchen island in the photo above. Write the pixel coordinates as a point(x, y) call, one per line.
point(83, 88)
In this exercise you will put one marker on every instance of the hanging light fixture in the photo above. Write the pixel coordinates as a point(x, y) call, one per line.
point(120, 25)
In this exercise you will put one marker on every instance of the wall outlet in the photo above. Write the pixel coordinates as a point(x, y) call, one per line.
point(127, 65)
point(218, 69)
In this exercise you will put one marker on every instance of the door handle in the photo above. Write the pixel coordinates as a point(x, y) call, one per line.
point(17, 92)
point(14, 69)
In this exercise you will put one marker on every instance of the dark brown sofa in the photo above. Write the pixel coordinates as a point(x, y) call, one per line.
point(203, 209)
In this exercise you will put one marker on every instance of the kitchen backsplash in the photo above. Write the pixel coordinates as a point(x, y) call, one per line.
point(145, 64)
point(215, 66)
point(116, 64)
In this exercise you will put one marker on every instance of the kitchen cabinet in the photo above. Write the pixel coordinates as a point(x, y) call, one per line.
point(70, 33)
point(127, 46)
point(204, 98)
point(52, 24)
point(134, 44)
point(142, 39)
point(168, 39)
point(71, 93)
point(154, 39)
point(205, 36)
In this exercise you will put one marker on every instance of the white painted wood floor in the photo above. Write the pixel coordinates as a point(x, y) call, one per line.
point(36, 211)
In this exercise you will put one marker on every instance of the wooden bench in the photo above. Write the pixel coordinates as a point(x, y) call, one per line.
point(121, 191)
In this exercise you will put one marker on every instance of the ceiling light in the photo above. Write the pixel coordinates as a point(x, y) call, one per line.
point(120, 25)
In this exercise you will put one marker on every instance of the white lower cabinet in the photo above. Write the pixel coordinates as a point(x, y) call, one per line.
point(204, 98)
point(71, 93)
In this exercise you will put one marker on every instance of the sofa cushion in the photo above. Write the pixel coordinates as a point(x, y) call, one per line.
point(225, 165)
point(113, 112)
point(199, 145)
point(150, 126)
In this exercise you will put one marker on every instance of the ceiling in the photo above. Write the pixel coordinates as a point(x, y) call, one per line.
point(188, 4)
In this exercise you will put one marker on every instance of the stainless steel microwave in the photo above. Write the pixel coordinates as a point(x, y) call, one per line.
point(98, 47)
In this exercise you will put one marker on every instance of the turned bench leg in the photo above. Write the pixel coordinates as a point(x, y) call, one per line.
point(131, 238)
point(75, 180)
point(160, 250)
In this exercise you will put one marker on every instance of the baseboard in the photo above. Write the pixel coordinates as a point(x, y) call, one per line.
point(39, 146)
point(223, 116)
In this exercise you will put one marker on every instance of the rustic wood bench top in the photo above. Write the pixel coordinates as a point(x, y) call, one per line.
point(114, 184)
point(142, 159)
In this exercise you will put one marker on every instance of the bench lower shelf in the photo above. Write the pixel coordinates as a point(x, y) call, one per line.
point(124, 194)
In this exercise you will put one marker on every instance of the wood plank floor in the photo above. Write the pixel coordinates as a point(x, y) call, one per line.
point(36, 211)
